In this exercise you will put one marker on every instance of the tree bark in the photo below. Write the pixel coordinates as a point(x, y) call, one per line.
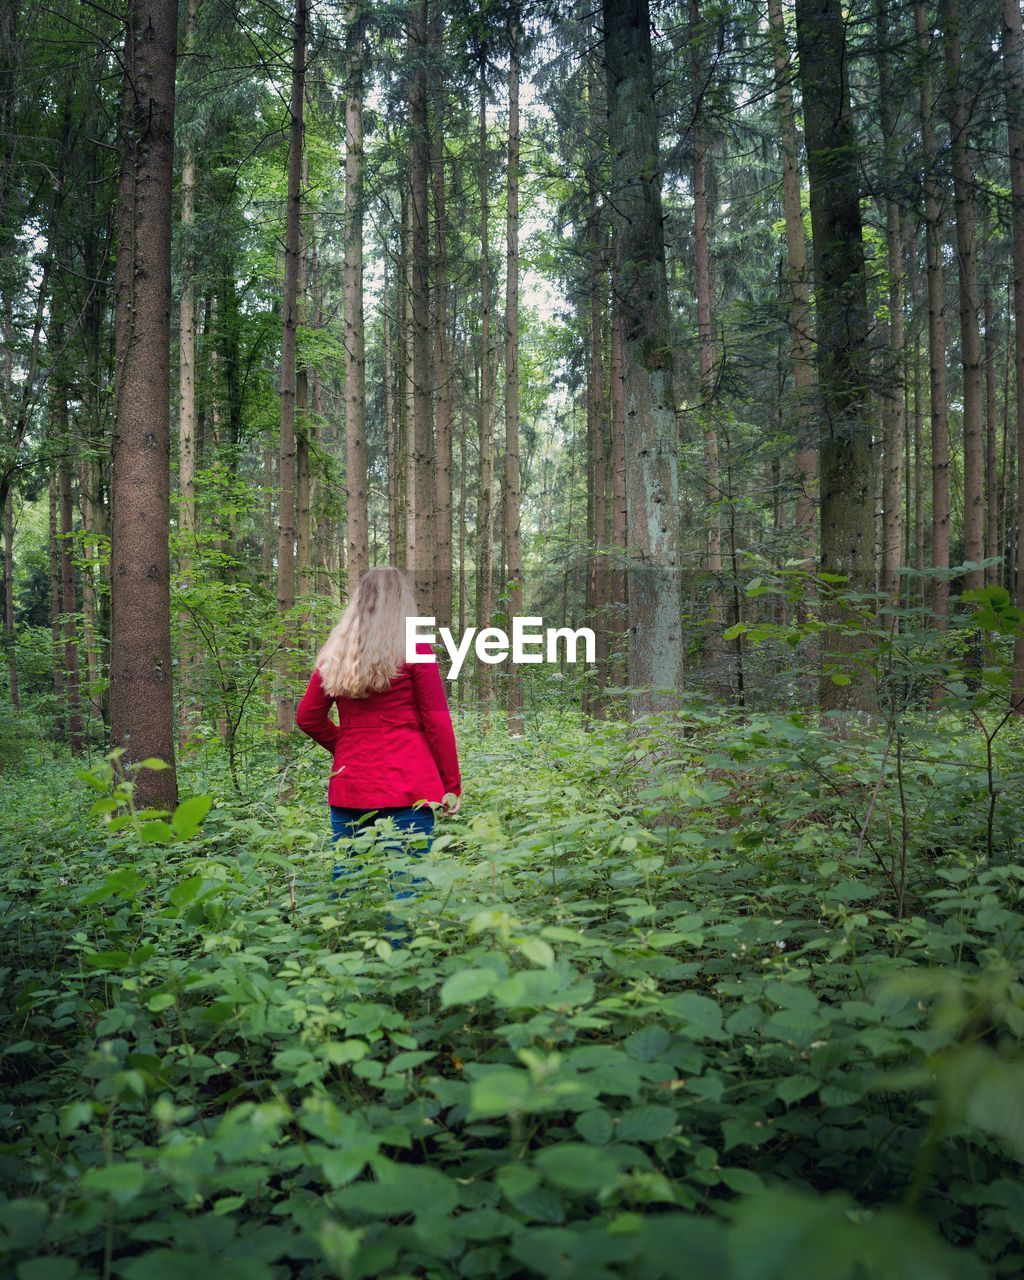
point(893, 379)
point(9, 646)
point(141, 696)
point(802, 346)
point(705, 329)
point(936, 324)
point(1013, 83)
point(421, 489)
point(357, 517)
point(290, 314)
point(511, 505)
point(485, 418)
point(652, 484)
point(991, 447)
point(443, 401)
point(847, 488)
point(969, 297)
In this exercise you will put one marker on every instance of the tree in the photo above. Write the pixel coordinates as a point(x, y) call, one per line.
point(355, 355)
point(141, 701)
point(1013, 86)
point(641, 293)
point(847, 486)
point(288, 388)
point(512, 494)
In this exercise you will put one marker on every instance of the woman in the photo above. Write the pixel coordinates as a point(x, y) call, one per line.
point(394, 747)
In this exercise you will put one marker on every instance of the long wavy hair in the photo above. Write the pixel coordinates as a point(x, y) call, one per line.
point(364, 651)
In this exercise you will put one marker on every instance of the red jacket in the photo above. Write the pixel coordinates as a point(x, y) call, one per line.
point(392, 749)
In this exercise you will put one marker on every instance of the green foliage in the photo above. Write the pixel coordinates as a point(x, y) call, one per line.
point(630, 1025)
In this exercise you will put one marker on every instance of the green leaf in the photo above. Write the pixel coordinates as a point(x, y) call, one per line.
point(189, 815)
point(467, 986)
point(577, 1166)
point(122, 1182)
point(48, 1268)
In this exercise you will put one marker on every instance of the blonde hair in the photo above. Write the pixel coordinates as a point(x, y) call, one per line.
point(364, 651)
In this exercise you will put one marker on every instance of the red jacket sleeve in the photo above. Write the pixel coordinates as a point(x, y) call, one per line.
point(437, 720)
point(312, 717)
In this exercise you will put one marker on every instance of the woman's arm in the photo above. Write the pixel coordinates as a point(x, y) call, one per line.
point(437, 720)
point(312, 716)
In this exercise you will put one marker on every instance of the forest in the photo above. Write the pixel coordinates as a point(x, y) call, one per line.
point(697, 325)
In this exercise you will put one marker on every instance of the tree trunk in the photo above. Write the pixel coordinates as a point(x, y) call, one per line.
point(967, 264)
point(597, 514)
point(290, 313)
point(641, 291)
point(699, 82)
point(69, 604)
point(303, 485)
point(1013, 81)
point(141, 695)
point(443, 402)
point(893, 379)
point(391, 426)
point(847, 488)
point(936, 324)
point(512, 495)
point(53, 549)
point(421, 487)
point(991, 437)
point(485, 420)
point(12, 664)
point(799, 293)
point(357, 517)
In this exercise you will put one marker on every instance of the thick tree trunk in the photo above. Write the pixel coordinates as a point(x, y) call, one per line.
point(936, 323)
point(357, 518)
point(290, 314)
point(1013, 81)
point(69, 605)
point(187, 343)
point(512, 494)
point(618, 594)
point(802, 346)
point(141, 695)
point(893, 381)
point(303, 480)
point(847, 486)
point(652, 484)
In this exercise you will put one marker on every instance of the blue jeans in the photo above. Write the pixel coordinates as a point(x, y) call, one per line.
point(414, 829)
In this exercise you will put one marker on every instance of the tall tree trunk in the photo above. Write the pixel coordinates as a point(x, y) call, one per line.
point(421, 507)
point(141, 695)
point(69, 604)
point(187, 414)
point(512, 496)
point(893, 388)
point(290, 315)
point(847, 488)
point(485, 420)
point(12, 664)
point(652, 483)
point(303, 483)
point(699, 82)
point(1013, 82)
point(991, 447)
point(618, 594)
point(391, 426)
point(597, 504)
point(443, 395)
point(936, 323)
point(918, 421)
point(802, 347)
point(53, 549)
point(358, 523)
point(967, 264)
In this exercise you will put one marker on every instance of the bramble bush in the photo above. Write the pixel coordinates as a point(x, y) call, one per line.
point(735, 1007)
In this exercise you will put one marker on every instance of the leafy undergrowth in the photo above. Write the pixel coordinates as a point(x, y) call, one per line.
point(637, 1029)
